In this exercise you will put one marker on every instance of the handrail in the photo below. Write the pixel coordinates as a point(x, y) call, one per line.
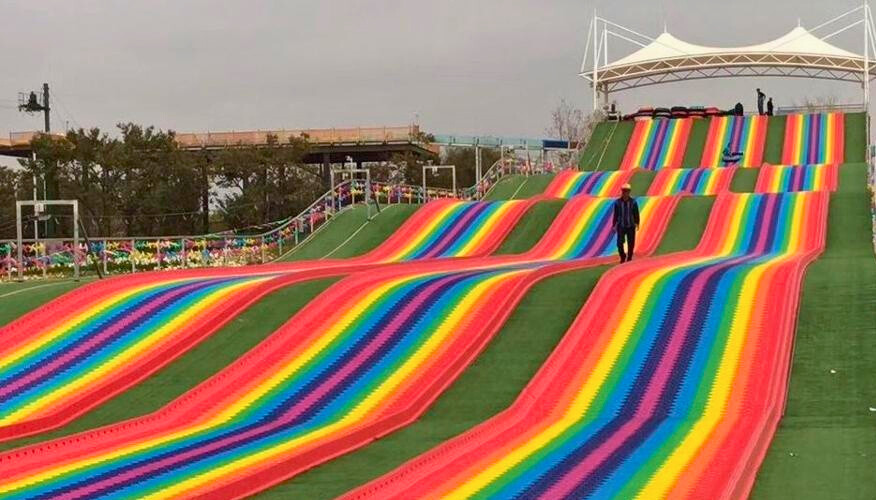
point(137, 253)
point(819, 108)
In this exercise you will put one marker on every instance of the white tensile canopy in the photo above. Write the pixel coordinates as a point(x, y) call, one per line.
point(799, 53)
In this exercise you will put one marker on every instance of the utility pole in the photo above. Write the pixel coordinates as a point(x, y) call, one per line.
point(46, 113)
point(30, 103)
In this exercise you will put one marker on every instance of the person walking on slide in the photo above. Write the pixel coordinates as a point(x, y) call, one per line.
point(625, 221)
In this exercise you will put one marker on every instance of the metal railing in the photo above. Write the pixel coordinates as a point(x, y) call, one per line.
point(54, 257)
point(48, 257)
point(379, 135)
point(820, 108)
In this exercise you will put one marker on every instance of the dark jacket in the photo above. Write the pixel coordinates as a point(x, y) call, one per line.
point(626, 213)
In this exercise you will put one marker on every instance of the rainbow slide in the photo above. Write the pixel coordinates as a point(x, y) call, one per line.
point(569, 183)
point(364, 358)
point(791, 178)
point(657, 144)
point(745, 134)
point(814, 139)
point(669, 384)
point(81, 349)
point(697, 181)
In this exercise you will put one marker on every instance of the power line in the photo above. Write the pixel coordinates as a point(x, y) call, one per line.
point(67, 111)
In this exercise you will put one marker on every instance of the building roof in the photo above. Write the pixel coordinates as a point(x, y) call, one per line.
point(798, 41)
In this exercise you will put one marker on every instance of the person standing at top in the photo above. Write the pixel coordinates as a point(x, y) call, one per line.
point(760, 98)
point(770, 107)
point(625, 221)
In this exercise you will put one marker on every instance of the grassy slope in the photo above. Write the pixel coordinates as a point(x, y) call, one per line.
point(533, 185)
point(687, 224)
point(640, 182)
point(512, 358)
point(775, 140)
point(19, 298)
point(744, 180)
point(227, 344)
point(826, 443)
point(855, 139)
point(531, 227)
point(207, 358)
point(609, 156)
point(590, 155)
point(695, 144)
point(505, 188)
point(330, 235)
point(373, 234)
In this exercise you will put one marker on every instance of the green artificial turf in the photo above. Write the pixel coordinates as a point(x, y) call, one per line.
point(334, 237)
point(687, 224)
point(855, 138)
point(640, 182)
point(775, 140)
point(696, 142)
point(607, 147)
point(331, 234)
point(19, 298)
point(744, 180)
point(598, 142)
point(534, 185)
point(216, 352)
point(826, 443)
point(374, 233)
point(617, 147)
point(531, 227)
point(505, 188)
point(511, 359)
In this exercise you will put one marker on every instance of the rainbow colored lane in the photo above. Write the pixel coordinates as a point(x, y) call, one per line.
point(791, 178)
point(742, 134)
point(668, 384)
point(698, 181)
point(569, 183)
point(450, 228)
point(657, 144)
point(365, 357)
point(814, 139)
point(583, 229)
point(76, 352)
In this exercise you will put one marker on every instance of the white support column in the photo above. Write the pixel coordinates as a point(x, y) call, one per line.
point(866, 81)
point(595, 61)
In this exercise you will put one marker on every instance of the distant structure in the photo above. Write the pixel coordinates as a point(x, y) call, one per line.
point(328, 146)
point(664, 59)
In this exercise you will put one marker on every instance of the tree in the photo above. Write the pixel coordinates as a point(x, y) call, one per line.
point(140, 183)
point(570, 123)
point(14, 185)
point(818, 103)
point(266, 182)
point(464, 159)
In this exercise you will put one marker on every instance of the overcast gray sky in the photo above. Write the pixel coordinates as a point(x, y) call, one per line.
point(465, 66)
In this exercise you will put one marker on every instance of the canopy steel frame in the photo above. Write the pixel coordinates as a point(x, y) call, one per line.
point(606, 78)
